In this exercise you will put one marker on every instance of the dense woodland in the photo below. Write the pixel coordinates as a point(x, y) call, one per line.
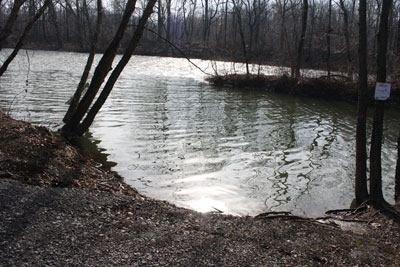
point(258, 31)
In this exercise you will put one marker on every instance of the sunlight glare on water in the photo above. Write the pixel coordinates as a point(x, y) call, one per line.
point(176, 138)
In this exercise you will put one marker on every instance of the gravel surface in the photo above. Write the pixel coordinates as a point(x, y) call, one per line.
point(58, 208)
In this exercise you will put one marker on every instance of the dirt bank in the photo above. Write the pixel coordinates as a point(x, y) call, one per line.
point(333, 88)
point(58, 208)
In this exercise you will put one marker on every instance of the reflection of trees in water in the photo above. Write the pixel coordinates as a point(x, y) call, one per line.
point(282, 136)
point(286, 176)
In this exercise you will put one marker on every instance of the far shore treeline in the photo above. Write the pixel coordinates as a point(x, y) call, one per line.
point(263, 31)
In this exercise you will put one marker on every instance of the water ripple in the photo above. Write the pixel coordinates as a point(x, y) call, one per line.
point(176, 138)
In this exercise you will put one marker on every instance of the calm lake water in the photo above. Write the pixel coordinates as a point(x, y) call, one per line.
point(176, 138)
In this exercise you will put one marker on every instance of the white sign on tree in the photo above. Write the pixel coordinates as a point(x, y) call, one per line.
point(382, 91)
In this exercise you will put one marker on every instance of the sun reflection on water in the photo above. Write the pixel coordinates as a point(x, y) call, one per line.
point(205, 204)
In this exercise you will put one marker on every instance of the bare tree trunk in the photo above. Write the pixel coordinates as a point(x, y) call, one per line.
point(169, 20)
point(77, 22)
point(282, 13)
point(89, 23)
point(77, 96)
point(21, 40)
point(102, 69)
point(8, 27)
point(43, 24)
point(302, 37)
point(398, 38)
point(84, 126)
point(34, 31)
point(361, 190)
point(328, 39)
point(376, 194)
point(53, 18)
point(67, 24)
point(243, 41)
point(169, 27)
point(347, 38)
point(283, 34)
point(78, 25)
point(160, 23)
point(311, 32)
point(206, 21)
point(397, 176)
point(226, 23)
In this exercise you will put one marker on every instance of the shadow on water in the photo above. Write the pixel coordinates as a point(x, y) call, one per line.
point(88, 146)
point(176, 138)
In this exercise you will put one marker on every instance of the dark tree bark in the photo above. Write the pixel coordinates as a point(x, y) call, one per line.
point(160, 24)
point(376, 195)
point(311, 31)
point(206, 22)
point(226, 23)
point(282, 11)
point(361, 190)
point(84, 126)
point(397, 176)
point(53, 18)
point(21, 39)
point(283, 34)
point(169, 20)
point(78, 25)
point(77, 96)
point(9, 25)
point(328, 39)
point(398, 38)
point(242, 38)
point(43, 24)
point(32, 11)
point(77, 22)
point(87, 17)
point(102, 69)
point(66, 24)
point(76, 128)
point(347, 38)
point(304, 17)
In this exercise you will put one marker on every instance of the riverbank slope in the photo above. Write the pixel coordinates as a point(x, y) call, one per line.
point(330, 88)
point(57, 207)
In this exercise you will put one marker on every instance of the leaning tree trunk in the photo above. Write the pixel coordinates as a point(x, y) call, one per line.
point(84, 126)
point(361, 190)
point(8, 27)
point(376, 195)
point(74, 126)
point(302, 37)
point(77, 96)
point(102, 69)
point(21, 40)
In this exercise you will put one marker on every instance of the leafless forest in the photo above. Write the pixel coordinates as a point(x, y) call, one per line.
point(258, 31)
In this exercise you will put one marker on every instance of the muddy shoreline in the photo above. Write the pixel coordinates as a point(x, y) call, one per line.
point(57, 207)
